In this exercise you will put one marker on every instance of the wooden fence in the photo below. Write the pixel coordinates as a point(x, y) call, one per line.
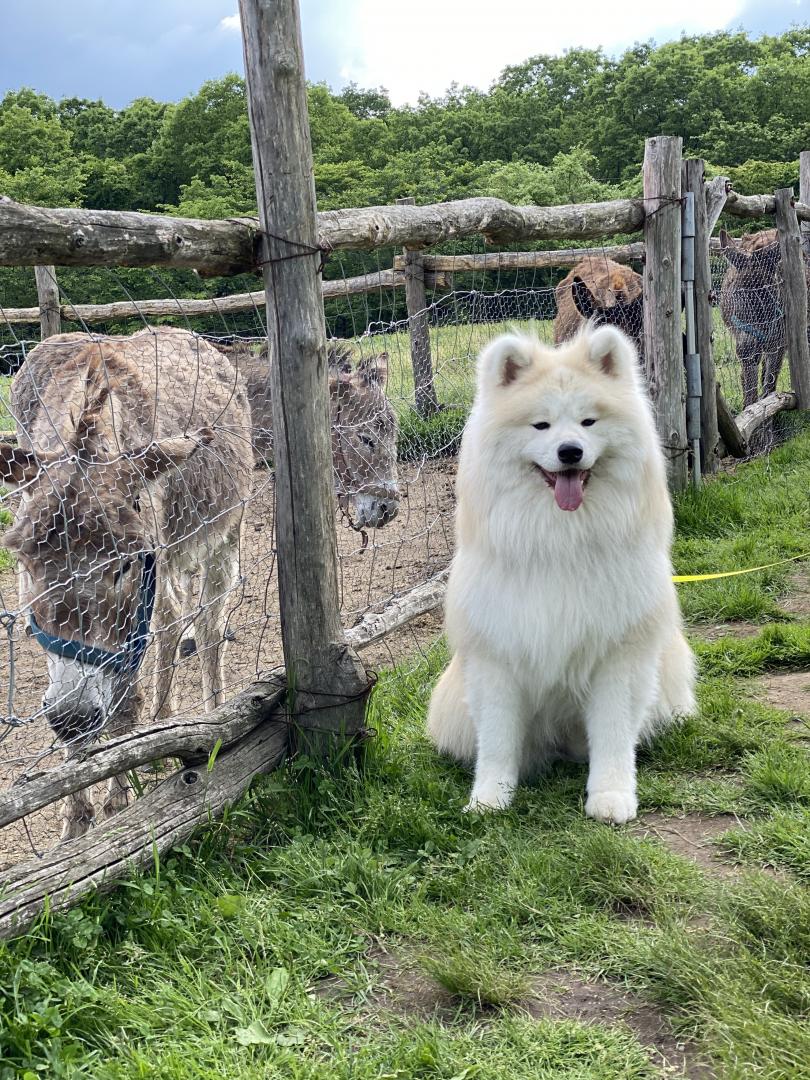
point(326, 680)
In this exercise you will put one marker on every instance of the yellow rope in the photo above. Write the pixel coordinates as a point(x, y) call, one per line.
point(677, 578)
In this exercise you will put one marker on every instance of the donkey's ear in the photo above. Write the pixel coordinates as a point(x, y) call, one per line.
point(373, 370)
point(339, 359)
point(156, 457)
point(730, 252)
point(505, 360)
point(96, 392)
point(17, 466)
point(584, 300)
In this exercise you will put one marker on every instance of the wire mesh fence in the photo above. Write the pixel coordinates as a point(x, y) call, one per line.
point(137, 570)
point(749, 328)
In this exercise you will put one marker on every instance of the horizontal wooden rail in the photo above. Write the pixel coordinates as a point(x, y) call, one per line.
point(524, 260)
point(220, 305)
point(755, 206)
point(35, 235)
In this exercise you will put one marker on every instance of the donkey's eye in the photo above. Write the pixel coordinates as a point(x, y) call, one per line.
point(124, 568)
point(366, 441)
point(589, 422)
point(542, 425)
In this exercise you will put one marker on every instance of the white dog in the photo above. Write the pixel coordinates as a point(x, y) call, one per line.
point(561, 613)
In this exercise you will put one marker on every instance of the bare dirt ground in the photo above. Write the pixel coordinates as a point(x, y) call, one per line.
point(399, 987)
point(407, 552)
point(691, 836)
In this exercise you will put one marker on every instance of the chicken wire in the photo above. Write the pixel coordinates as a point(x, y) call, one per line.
point(749, 336)
point(394, 476)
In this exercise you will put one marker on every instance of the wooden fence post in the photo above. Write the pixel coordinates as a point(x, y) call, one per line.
point(663, 340)
point(49, 303)
point(794, 296)
point(693, 171)
point(327, 683)
point(804, 190)
point(416, 300)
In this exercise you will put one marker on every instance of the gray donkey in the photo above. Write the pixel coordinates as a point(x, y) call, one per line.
point(363, 425)
point(752, 307)
point(131, 478)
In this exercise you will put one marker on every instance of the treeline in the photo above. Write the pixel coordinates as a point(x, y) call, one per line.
point(553, 129)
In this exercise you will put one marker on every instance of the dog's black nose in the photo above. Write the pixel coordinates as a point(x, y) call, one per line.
point(569, 453)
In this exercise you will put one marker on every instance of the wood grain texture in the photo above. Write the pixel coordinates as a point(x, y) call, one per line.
point(188, 739)
point(31, 235)
point(732, 437)
point(693, 180)
point(50, 322)
point(526, 260)
point(753, 416)
point(161, 819)
point(220, 305)
point(326, 679)
point(663, 342)
point(794, 296)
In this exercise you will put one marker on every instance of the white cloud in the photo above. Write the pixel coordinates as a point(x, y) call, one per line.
point(231, 23)
point(470, 42)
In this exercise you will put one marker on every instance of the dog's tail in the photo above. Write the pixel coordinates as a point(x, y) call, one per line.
point(676, 696)
point(449, 723)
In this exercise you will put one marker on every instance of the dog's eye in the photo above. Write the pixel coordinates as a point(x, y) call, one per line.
point(366, 441)
point(542, 425)
point(589, 422)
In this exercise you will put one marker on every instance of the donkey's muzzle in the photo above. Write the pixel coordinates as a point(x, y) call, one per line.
point(372, 511)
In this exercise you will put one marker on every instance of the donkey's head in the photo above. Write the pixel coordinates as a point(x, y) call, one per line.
point(615, 308)
point(86, 556)
point(364, 439)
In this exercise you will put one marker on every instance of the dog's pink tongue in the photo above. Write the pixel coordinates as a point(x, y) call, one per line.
point(568, 490)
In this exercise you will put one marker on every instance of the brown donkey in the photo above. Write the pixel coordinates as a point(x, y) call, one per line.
point(131, 478)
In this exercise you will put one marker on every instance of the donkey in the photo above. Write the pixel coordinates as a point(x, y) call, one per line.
point(604, 291)
point(752, 307)
point(129, 467)
point(363, 423)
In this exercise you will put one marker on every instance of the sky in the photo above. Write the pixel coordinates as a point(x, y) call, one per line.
point(119, 50)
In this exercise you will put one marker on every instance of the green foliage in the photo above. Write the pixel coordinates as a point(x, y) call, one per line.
point(433, 436)
point(552, 130)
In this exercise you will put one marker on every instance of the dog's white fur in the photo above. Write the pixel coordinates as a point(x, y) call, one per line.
point(564, 626)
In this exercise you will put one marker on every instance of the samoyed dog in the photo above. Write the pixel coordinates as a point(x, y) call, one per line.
point(561, 614)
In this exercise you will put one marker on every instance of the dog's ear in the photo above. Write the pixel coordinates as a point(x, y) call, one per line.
point(612, 352)
point(505, 359)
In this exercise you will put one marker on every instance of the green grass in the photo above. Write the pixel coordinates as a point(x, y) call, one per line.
point(221, 964)
point(757, 515)
point(267, 946)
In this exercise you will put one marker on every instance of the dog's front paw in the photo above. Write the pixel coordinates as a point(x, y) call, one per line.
point(491, 797)
point(614, 806)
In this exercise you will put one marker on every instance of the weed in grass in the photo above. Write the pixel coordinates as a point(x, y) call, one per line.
point(778, 774)
point(781, 841)
point(615, 871)
point(771, 917)
point(474, 976)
